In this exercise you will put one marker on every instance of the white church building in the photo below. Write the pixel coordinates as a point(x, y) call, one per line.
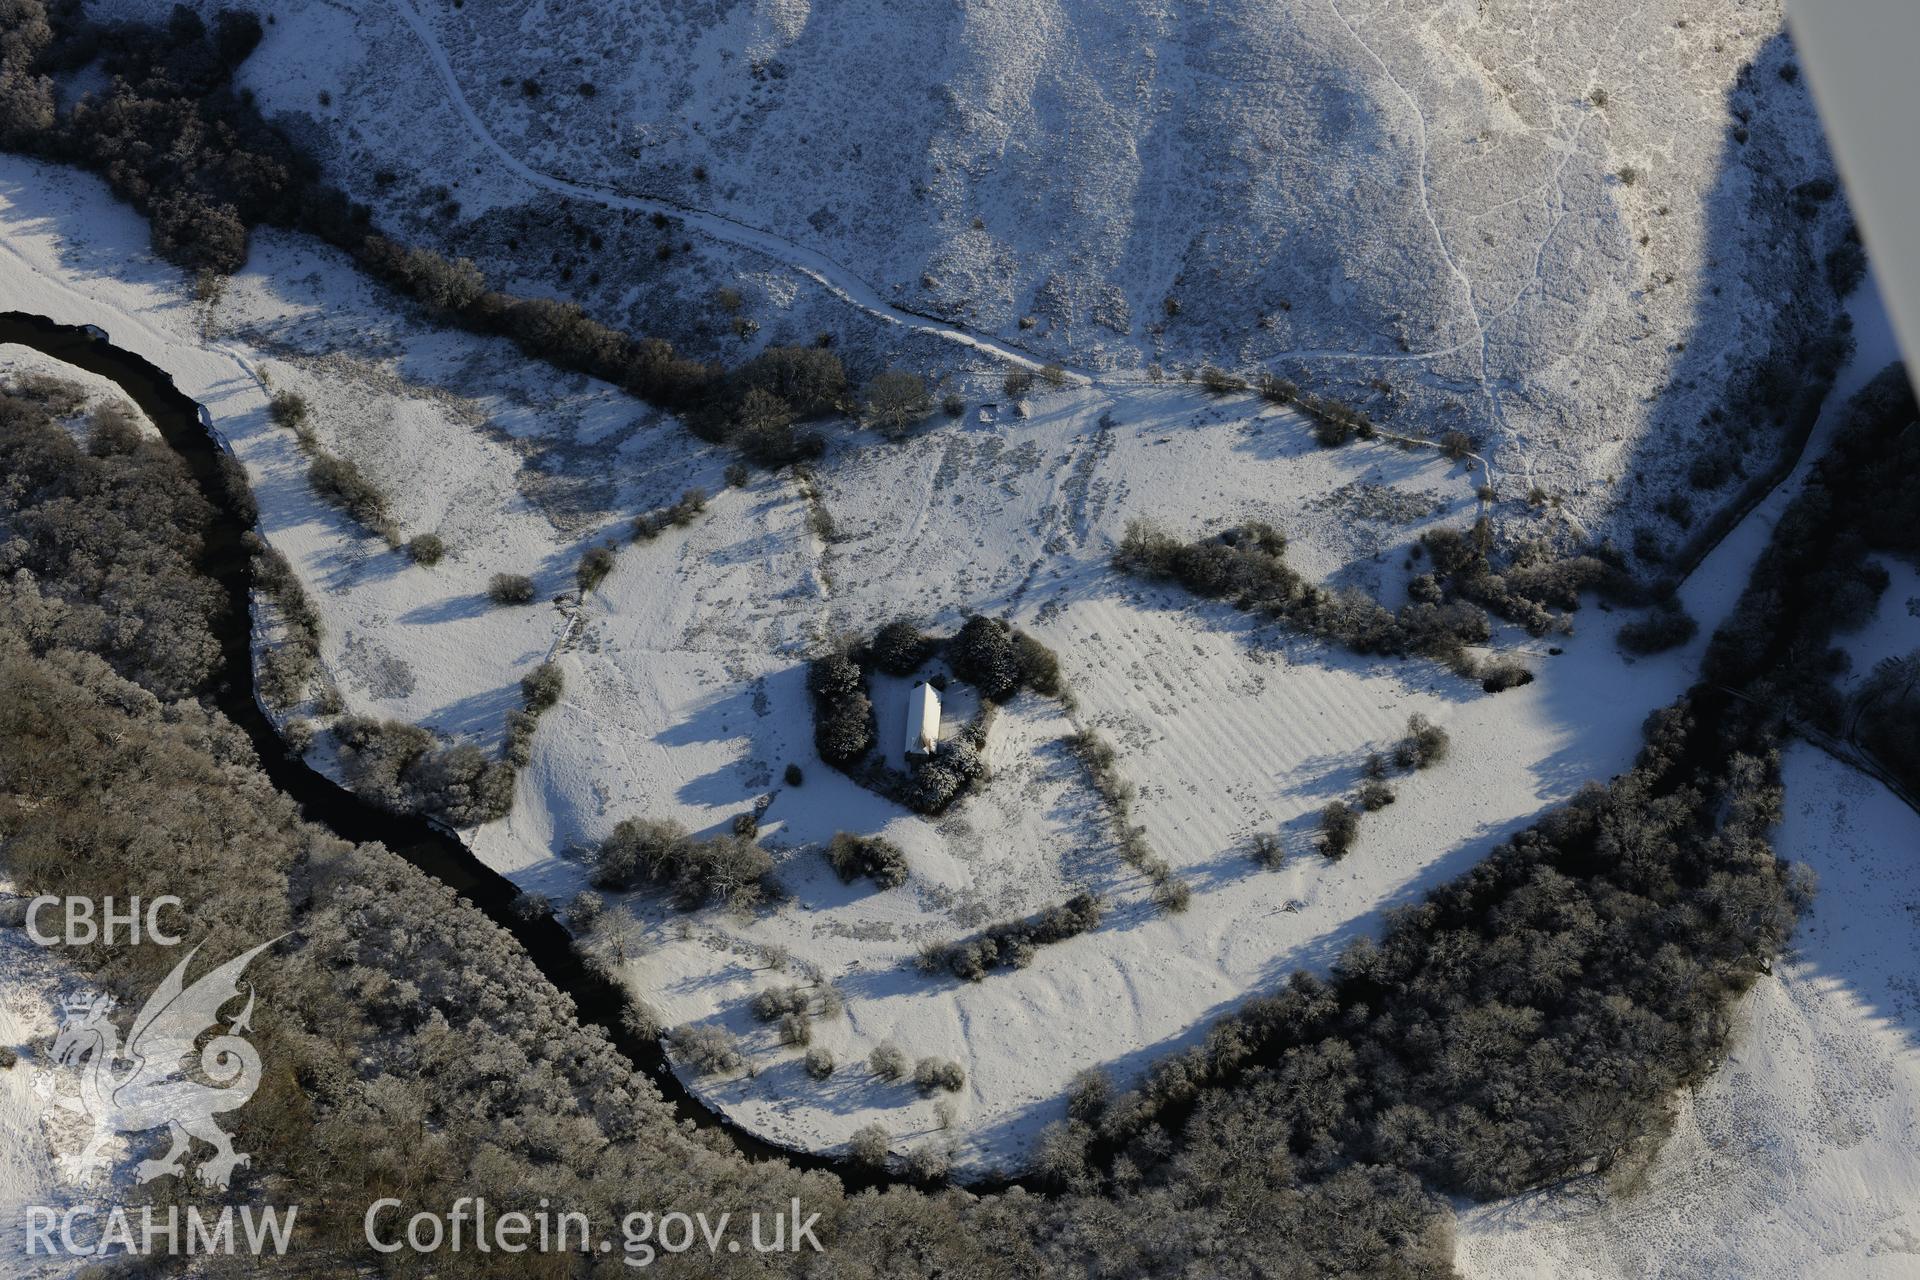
point(923, 720)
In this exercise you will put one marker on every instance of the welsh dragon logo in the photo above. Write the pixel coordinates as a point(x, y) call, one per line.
point(147, 1084)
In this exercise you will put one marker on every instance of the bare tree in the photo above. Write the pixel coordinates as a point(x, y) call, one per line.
point(895, 402)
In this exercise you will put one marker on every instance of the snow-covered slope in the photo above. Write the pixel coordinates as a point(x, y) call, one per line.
point(1566, 227)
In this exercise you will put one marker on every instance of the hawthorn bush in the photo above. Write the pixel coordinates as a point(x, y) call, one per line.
point(510, 588)
point(875, 857)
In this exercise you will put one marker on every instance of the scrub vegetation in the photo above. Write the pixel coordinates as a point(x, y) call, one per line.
point(1098, 757)
point(697, 871)
point(1013, 943)
point(403, 767)
point(875, 857)
point(1448, 606)
point(286, 670)
point(340, 482)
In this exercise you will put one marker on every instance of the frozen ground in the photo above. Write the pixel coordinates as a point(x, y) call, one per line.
point(1566, 227)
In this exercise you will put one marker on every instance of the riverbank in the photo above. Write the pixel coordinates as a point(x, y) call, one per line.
point(193, 435)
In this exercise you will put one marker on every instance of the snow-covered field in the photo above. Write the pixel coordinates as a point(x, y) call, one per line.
point(685, 669)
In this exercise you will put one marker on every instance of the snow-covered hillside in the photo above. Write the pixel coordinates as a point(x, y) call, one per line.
point(1569, 228)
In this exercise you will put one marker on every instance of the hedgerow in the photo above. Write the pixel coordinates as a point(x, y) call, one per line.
point(1013, 942)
